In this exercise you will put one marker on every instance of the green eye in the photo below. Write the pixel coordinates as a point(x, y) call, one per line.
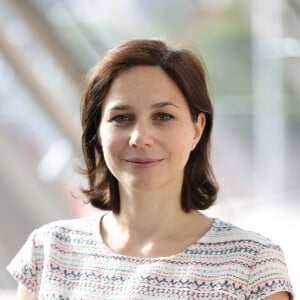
point(121, 118)
point(163, 117)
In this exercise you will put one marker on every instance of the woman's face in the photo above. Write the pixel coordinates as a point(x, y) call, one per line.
point(146, 131)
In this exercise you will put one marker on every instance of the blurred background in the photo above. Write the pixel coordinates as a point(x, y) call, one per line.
point(252, 53)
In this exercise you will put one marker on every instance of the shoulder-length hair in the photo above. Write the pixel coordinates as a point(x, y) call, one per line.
point(199, 189)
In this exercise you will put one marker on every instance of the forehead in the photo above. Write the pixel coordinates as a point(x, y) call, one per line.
point(143, 84)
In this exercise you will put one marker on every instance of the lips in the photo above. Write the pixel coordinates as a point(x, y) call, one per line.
point(143, 162)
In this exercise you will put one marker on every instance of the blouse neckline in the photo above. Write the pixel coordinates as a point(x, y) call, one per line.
point(203, 239)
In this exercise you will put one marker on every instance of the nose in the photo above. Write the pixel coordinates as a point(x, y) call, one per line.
point(140, 137)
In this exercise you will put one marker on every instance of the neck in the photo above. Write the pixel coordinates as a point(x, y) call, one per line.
point(152, 224)
point(149, 211)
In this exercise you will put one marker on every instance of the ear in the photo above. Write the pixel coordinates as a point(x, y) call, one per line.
point(199, 127)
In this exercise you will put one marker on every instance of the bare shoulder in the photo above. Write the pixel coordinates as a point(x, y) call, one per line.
point(25, 294)
point(279, 296)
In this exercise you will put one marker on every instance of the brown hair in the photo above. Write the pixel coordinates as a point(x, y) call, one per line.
point(199, 188)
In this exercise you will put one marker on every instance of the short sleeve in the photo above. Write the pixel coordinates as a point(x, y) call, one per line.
point(27, 265)
point(269, 274)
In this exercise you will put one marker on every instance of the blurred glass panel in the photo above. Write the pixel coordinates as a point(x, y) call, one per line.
point(221, 31)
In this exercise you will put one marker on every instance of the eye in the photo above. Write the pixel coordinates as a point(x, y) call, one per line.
point(121, 119)
point(163, 117)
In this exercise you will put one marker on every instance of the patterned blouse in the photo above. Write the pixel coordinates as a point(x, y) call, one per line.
point(68, 260)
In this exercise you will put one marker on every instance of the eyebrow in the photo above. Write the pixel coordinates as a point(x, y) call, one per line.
point(155, 105)
point(121, 107)
point(163, 104)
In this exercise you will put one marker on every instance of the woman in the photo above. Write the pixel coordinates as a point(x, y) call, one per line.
point(147, 121)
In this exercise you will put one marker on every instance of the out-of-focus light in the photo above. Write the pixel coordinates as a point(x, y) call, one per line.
point(215, 4)
point(6, 74)
point(291, 47)
point(16, 32)
point(54, 161)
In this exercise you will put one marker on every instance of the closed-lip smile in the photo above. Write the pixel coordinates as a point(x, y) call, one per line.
point(143, 162)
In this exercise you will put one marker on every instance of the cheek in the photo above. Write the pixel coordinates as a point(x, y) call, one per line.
point(182, 137)
point(105, 135)
point(110, 153)
point(179, 145)
point(109, 146)
point(105, 140)
point(111, 142)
